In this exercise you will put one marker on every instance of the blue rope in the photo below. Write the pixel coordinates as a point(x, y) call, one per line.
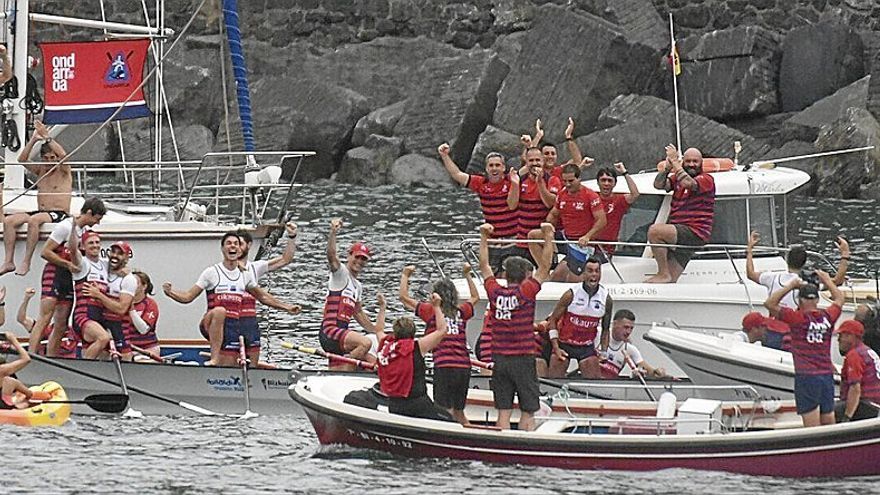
point(233, 36)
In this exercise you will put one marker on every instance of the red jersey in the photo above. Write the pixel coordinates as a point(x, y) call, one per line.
point(343, 296)
point(694, 209)
point(532, 210)
point(576, 211)
point(396, 366)
point(452, 352)
point(493, 201)
point(512, 317)
point(149, 312)
point(861, 365)
point(615, 207)
point(811, 339)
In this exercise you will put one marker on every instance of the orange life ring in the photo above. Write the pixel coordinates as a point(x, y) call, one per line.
point(709, 165)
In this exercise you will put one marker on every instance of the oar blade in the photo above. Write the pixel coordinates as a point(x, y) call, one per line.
point(107, 403)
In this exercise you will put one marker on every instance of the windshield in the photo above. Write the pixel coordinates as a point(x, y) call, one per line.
point(731, 227)
point(634, 227)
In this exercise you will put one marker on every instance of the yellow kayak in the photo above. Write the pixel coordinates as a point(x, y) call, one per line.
point(47, 414)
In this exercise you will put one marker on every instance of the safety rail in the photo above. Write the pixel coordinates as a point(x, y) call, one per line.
point(662, 425)
point(146, 182)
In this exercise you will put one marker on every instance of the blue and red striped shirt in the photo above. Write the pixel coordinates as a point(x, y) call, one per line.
point(811, 339)
point(695, 210)
point(452, 352)
point(512, 317)
point(532, 210)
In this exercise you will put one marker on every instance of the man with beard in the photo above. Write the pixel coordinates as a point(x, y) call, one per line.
point(690, 216)
point(120, 289)
point(495, 190)
point(344, 303)
point(575, 321)
point(534, 198)
point(223, 284)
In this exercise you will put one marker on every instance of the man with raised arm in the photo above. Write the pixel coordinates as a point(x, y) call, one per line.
point(578, 211)
point(550, 153)
point(118, 297)
point(511, 313)
point(257, 270)
point(496, 191)
point(811, 329)
point(89, 270)
point(614, 204)
point(690, 216)
point(57, 291)
point(575, 324)
point(344, 303)
point(452, 364)
point(223, 284)
point(54, 183)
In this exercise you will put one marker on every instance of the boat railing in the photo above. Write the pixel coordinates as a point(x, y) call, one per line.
point(218, 180)
point(661, 426)
point(746, 390)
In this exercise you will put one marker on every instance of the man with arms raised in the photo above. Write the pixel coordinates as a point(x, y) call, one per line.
point(54, 184)
point(512, 318)
point(575, 322)
point(344, 303)
point(614, 204)
point(224, 284)
point(57, 291)
point(811, 329)
point(496, 193)
point(690, 216)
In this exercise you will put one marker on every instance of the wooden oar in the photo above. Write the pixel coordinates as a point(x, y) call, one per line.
point(105, 403)
point(185, 405)
point(329, 355)
point(242, 360)
point(114, 355)
point(638, 373)
point(154, 356)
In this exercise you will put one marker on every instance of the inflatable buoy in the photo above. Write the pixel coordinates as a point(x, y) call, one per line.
point(709, 165)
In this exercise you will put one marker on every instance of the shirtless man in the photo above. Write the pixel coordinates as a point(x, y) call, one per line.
point(53, 198)
point(223, 284)
point(57, 291)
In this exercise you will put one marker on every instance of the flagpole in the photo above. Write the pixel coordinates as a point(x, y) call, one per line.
point(676, 61)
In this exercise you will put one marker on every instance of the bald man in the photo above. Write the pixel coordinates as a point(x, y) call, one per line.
point(690, 216)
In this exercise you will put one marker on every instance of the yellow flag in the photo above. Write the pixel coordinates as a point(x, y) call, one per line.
point(676, 60)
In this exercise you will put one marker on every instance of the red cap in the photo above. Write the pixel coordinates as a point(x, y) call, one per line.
point(124, 246)
point(754, 320)
point(851, 326)
point(85, 236)
point(359, 249)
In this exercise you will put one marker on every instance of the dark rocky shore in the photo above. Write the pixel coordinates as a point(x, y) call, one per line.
point(375, 85)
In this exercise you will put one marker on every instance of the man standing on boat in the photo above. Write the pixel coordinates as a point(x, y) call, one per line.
point(860, 375)
point(777, 336)
point(533, 199)
point(257, 270)
point(575, 322)
point(690, 216)
point(57, 291)
point(621, 352)
point(496, 192)
point(578, 210)
point(615, 204)
point(54, 184)
point(224, 284)
point(511, 321)
point(90, 271)
point(344, 303)
point(811, 329)
point(118, 298)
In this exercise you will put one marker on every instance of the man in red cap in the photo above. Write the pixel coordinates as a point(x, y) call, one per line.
point(118, 297)
point(754, 327)
point(811, 329)
point(344, 303)
point(860, 376)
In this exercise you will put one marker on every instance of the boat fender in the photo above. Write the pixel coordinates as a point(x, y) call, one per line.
point(709, 165)
point(666, 405)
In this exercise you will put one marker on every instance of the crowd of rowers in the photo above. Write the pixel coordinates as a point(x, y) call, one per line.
point(545, 202)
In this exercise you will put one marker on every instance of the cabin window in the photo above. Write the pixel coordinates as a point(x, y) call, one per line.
point(732, 225)
point(634, 227)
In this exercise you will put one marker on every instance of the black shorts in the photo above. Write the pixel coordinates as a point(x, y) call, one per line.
point(451, 387)
point(497, 256)
point(515, 375)
point(418, 407)
point(522, 253)
point(330, 345)
point(55, 216)
point(579, 352)
point(685, 237)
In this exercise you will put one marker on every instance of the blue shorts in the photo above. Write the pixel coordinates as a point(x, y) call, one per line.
point(578, 352)
point(250, 329)
point(231, 331)
point(812, 391)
